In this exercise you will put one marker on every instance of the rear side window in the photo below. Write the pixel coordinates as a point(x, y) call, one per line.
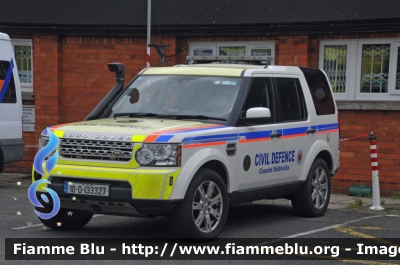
point(320, 91)
point(7, 84)
point(291, 99)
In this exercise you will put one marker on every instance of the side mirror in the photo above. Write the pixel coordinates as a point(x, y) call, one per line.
point(258, 114)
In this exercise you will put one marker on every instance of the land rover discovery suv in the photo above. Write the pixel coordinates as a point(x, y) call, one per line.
point(187, 142)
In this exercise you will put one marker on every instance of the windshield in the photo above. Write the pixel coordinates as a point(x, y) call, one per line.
point(180, 96)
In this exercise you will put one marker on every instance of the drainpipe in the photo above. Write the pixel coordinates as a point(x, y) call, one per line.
point(148, 32)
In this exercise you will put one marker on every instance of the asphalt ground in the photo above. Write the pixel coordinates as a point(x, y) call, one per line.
point(345, 218)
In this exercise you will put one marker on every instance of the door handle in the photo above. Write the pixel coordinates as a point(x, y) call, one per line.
point(275, 135)
point(310, 131)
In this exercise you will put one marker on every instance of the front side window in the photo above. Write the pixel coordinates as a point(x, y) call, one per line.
point(260, 95)
point(180, 95)
point(7, 84)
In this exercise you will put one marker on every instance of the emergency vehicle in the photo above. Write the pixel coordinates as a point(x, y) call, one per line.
point(187, 142)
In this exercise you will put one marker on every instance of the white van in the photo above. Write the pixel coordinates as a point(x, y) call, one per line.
point(11, 142)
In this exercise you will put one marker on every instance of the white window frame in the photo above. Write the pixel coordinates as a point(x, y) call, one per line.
point(353, 69)
point(393, 66)
point(216, 45)
point(371, 96)
point(25, 87)
point(350, 65)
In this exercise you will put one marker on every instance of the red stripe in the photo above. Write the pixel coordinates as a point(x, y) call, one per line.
point(374, 159)
point(151, 138)
point(59, 125)
point(203, 144)
point(374, 167)
point(372, 142)
point(187, 128)
point(294, 135)
point(148, 58)
point(1, 85)
point(328, 131)
point(374, 151)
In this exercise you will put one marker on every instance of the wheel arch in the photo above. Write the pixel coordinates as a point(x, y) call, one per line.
point(327, 157)
point(320, 149)
point(218, 167)
point(209, 158)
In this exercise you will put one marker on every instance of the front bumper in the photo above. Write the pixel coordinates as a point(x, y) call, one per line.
point(132, 192)
point(111, 205)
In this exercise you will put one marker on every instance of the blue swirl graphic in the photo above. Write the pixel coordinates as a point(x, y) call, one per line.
point(50, 163)
point(32, 197)
point(44, 152)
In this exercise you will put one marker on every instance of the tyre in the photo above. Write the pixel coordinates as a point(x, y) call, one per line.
point(313, 197)
point(67, 220)
point(203, 212)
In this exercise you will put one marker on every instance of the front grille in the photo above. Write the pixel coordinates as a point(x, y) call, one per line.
point(95, 150)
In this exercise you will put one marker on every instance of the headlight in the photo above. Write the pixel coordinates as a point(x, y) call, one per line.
point(159, 155)
point(43, 141)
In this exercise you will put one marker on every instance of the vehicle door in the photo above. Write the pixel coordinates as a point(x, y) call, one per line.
point(298, 129)
point(258, 141)
point(10, 100)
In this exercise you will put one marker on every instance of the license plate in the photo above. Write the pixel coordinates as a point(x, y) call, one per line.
point(86, 188)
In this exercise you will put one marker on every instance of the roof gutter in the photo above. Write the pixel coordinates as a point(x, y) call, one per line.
point(344, 27)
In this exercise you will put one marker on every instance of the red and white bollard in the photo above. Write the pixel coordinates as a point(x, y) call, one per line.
point(376, 197)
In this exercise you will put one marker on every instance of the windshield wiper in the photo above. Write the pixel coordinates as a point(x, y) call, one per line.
point(200, 117)
point(135, 114)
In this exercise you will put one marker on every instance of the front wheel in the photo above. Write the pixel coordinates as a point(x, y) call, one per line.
point(67, 220)
point(313, 197)
point(204, 210)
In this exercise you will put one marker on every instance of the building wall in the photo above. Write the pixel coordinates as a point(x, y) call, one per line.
point(71, 77)
point(355, 167)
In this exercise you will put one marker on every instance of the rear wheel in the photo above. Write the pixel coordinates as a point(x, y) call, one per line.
point(204, 210)
point(67, 220)
point(313, 197)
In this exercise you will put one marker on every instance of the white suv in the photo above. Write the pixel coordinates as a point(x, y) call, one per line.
point(187, 142)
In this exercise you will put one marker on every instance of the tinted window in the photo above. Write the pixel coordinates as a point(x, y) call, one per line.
point(7, 85)
point(260, 95)
point(320, 91)
point(291, 99)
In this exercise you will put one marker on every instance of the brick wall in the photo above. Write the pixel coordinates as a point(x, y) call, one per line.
point(71, 77)
point(355, 167)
